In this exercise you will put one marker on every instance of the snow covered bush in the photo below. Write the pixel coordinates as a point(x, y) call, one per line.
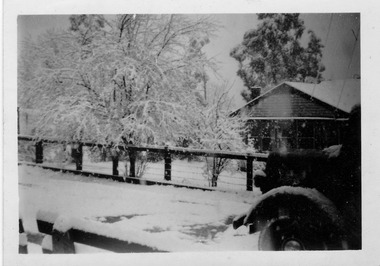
point(96, 154)
point(142, 163)
point(220, 131)
point(26, 151)
point(58, 153)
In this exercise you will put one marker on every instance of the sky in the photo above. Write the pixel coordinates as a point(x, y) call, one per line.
point(339, 45)
point(341, 55)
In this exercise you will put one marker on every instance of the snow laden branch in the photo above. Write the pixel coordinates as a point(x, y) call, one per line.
point(118, 78)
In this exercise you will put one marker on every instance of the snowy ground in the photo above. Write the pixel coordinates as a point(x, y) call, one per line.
point(166, 218)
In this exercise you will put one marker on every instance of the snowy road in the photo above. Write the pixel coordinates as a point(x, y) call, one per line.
point(166, 218)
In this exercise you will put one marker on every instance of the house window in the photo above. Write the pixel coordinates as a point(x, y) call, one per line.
point(260, 134)
point(305, 134)
point(284, 134)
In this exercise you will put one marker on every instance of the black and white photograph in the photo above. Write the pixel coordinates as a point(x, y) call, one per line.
point(161, 133)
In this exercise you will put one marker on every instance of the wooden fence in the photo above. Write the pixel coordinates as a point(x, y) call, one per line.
point(132, 150)
point(63, 242)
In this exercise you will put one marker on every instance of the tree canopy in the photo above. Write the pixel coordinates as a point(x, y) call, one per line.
point(120, 78)
point(272, 53)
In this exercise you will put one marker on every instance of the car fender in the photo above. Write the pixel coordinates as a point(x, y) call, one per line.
point(304, 204)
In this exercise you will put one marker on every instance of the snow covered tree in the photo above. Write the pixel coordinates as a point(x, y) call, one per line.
point(115, 79)
point(273, 53)
point(220, 131)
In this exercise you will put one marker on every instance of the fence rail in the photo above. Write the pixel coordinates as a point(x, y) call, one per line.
point(167, 153)
point(62, 242)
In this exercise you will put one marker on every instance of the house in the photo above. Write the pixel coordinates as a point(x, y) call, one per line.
point(296, 115)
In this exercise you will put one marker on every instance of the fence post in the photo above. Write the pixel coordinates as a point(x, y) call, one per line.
point(115, 165)
point(249, 173)
point(39, 152)
point(80, 157)
point(214, 178)
point(168, 164)
point(115, 162)
point(18, 120)
point(47, 244)
point(62, 242)
point(23, 240)
point(132, 162)
point(77, 154)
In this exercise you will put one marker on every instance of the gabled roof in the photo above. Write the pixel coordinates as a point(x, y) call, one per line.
point(340, 94)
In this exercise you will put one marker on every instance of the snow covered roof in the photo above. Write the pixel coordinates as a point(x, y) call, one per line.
point(340, 94)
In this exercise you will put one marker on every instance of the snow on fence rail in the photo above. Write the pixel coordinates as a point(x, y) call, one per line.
point(62, 236)
point(166, 152)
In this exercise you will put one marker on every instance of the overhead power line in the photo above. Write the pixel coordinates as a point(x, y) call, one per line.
point(349, 65)
point(327, 37)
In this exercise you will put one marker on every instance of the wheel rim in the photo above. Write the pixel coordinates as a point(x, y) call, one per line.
point(292, 244)
point(281, 235)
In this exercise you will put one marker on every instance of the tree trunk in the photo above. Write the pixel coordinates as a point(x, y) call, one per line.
point(103, 155)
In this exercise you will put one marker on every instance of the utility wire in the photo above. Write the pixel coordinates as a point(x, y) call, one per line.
point(349, 65)
point(327, 37)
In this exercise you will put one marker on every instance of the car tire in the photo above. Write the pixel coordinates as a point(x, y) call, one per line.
point(281, 234)
point(286, 234)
